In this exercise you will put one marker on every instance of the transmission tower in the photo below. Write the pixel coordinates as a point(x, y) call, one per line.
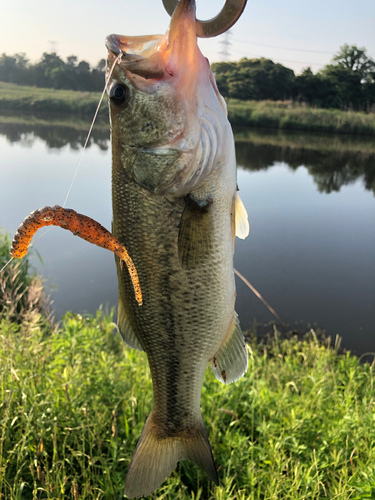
point(53, 46)
point(226, 43)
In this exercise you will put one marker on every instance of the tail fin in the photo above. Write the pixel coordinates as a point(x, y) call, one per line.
point(155, 458)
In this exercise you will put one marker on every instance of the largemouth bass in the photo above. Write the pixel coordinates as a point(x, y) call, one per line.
point(175, 209)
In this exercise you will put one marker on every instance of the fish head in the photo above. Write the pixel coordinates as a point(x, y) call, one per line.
point(165, 108)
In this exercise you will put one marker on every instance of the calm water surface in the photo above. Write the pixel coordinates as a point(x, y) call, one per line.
point(311, 205)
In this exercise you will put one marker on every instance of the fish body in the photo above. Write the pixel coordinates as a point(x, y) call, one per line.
point(174, 202)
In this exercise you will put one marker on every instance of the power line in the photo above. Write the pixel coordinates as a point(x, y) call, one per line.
point(280, 59)
point(283, 48)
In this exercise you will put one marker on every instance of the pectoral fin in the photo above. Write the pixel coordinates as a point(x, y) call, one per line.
point(126, 331)
point(195, 233)
point(233, 221)
point(230, 362)
point(242, 222)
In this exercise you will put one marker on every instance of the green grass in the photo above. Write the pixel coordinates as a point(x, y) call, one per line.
point(300, 424)
point(312, 141)
point(66, 120)
point(285, 115)
point(33, 99)
point(271, 114)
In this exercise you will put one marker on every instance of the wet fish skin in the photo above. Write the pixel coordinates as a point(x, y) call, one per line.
point(174, 190)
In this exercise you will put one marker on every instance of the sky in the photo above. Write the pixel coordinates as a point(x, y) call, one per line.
point(295, 33)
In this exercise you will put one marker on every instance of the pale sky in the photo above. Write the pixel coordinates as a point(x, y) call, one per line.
point(270, 28)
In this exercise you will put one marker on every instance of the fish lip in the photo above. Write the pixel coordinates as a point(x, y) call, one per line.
point(113, 44)
point(149, 66)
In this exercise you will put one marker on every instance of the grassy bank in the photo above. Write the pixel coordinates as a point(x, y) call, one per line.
point(35, 100)
point(299, 425)
point(50, 120)
point(313, 141)
point(282, 115)
point(287, 116)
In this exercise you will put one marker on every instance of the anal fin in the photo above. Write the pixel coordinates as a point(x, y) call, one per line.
point(126, 331)
point(231, 360)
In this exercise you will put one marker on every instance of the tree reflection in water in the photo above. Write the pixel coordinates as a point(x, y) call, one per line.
point(55, 131)
point(332, 160)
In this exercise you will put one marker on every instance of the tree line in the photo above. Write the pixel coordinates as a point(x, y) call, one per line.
point(52, 72)
point(347, 83)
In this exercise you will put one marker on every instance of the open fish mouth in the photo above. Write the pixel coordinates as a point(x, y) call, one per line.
point(156, 56)
point(139, 54)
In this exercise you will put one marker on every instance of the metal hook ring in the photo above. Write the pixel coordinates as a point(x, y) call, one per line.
point(228, 15)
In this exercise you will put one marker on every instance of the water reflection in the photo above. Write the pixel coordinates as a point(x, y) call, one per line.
point(54, 131)
point(310, 255)
point(333, 164)
point(332, 161)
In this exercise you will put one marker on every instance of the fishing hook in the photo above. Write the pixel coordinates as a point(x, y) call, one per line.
point(226, 18)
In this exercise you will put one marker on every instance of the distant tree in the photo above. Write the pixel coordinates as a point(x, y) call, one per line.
point(347, 83)
point(314, 90)
point(83, 68)
point(14, 69)
point(357, 61)
point(72, 61)
point(254, 79)
point(49, 72)
point(353, 78)
point(8, 68)
point(101, 65)
point(347, 89)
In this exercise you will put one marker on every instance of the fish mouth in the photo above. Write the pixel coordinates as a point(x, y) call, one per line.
point(139, 54)
point(156, 56)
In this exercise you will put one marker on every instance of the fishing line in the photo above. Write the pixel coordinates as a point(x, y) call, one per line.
point(91, 127)
point(9, 261)
point(117, 60)
point(259, 296)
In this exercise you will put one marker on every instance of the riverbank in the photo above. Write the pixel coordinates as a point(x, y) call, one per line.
point(280, 115)
point(289, 116)
point(35, 100)
point(74, 399)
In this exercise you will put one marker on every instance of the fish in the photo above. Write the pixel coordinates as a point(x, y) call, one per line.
point(176, 209)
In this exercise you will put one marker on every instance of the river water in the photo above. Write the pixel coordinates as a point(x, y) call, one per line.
point(311, 205)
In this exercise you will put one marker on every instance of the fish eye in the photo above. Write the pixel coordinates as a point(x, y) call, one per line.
point(119, 94)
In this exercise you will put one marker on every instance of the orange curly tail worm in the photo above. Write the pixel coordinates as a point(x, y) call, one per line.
point(81, 226)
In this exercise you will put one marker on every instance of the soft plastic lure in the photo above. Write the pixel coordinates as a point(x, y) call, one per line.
point(80, 225)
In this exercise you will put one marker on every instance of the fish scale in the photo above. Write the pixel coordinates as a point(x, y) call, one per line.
point(171, 320)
